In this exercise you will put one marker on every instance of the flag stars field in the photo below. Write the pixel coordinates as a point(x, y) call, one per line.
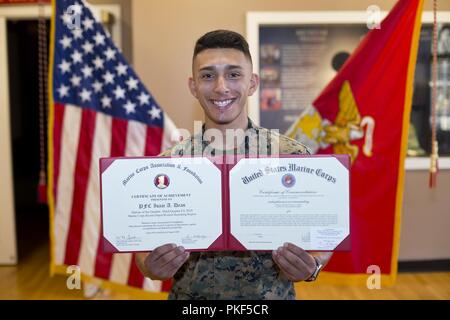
point(109, 77)
point(88, 47)
point(97, 86)
point(76, 81)
point(119, 93)
point(99, 39)
point(121, 69)
point(77, 33)
point(144, 99)
point(64, 66)
point(85, 95)
point(132, 84)
point(63, 91)
point(88, 24)
point(66, 42)
point(92, 70)
point(154, 112)
point(129, 107)
point(98, 63)
point(77, 57)
point(106, 102)
point(87, 71)
point(110, 54)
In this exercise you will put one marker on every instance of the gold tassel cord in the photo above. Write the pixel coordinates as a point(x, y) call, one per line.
point(434, 168)
point(42, 83)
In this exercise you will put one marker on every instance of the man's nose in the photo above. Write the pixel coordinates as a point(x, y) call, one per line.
point(221, 85)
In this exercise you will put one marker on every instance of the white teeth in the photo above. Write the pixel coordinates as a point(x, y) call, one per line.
point(222, 103)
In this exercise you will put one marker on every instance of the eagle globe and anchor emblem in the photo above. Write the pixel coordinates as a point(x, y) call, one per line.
point(288, 180)
point(161, 181)
point(319, 133)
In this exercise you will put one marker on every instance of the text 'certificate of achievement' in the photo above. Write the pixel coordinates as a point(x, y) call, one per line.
point(302, 200)
point(148, 202)
point(214, 204)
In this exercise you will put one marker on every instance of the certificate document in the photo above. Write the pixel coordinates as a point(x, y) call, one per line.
point(212, 204)
point(148, 202)
point(303, 200)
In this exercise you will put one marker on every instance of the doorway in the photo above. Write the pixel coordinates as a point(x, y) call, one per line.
point(31, 216)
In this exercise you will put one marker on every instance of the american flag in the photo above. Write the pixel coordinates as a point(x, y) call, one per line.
point(98, 108)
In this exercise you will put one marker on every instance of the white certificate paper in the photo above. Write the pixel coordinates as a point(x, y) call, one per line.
point(302, 200)
point(148, 202)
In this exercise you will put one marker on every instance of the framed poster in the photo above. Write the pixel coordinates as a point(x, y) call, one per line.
point(296, 54)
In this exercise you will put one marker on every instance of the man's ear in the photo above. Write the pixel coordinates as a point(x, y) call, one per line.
point(192, 87)
point(254, 83)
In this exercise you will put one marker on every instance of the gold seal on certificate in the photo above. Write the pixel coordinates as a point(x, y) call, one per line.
point(205, 204)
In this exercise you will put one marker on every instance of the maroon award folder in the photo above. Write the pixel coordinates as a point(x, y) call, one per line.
point(226, 202)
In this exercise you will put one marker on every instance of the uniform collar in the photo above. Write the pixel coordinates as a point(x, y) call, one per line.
point(250, 125)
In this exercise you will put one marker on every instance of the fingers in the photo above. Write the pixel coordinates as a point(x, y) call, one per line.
point(295, 262)
point(164, 261)
point(292, 259)
point(307, 258)
point(160, 251)
point(284, 265)
point(169, 257)
point(172, 267)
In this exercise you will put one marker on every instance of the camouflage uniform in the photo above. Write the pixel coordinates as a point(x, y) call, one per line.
point(234, 274)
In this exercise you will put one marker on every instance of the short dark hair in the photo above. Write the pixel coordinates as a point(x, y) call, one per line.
point(222, 39)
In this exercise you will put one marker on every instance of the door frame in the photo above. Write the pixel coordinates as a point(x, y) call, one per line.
point(8, 245)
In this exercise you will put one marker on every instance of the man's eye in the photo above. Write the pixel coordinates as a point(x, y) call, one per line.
point(235, 75)
point(206, 76)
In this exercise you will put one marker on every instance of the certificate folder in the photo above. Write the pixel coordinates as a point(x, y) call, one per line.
point(227, 203)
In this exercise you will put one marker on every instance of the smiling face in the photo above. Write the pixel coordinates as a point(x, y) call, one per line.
point(222, 80)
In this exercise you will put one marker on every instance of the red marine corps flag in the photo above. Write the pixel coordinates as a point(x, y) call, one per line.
point(98, 108)
point(364, 111)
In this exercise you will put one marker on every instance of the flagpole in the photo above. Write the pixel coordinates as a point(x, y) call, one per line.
point(50, 194)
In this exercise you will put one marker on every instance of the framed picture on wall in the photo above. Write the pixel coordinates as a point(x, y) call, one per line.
point(297, 54)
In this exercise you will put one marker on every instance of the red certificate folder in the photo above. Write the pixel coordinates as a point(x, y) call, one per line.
point(226, 241)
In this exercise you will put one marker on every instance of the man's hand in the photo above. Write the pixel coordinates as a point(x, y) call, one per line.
point(296, 263)
point(163, 262)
